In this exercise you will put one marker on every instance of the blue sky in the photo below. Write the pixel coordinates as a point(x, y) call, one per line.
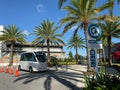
point(26, 14)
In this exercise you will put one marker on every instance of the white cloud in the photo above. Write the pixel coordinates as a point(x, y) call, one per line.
point(26, 32)
point(40, 7)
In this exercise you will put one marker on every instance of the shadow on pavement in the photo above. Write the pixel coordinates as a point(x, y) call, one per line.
point(74, 69)
point(47, 83)
point(63, 77)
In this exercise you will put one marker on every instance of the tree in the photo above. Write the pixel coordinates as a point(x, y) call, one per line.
point(70, 56)
point(80, 13)
point(110, 30)
point(13, 35)
point(111, 5)
point(109, 18)
point(77, 56)
point(47, 34)
point(76, 42)
point(60, 3)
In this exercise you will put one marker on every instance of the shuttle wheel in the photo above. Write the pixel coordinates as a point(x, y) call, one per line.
point(31, 69)
point(19, 67)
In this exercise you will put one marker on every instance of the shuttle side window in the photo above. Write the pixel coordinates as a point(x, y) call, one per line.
point(23, 57)
point(28, 57)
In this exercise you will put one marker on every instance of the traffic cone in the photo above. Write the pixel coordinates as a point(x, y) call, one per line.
point(7, 70)
point(17, 73)
point(11, 70)
point(2, 69)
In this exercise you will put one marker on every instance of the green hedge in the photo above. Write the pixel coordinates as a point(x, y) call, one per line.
point(63, 63)
point(69, 63)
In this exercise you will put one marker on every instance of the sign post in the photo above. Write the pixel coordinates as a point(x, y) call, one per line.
point(94, 32)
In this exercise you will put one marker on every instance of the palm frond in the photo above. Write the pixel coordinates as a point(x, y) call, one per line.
point(68, 27)
point(101, 8)
point(60, 3)
point(76, 30)
point(118, 1)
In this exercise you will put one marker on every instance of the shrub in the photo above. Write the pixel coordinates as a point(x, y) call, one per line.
point(103, 81)
point(53, 61)
point(69, 63)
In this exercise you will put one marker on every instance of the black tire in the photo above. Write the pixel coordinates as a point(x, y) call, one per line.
point(19, 68)
point(30, 69)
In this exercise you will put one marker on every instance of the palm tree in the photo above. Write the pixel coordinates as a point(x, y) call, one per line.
point(13, 35)
point(80, 13)
point(76, 42)
point(60, 3)
point(47, 34)
point(111, 5)
point(109, 18)
point(110, 30)
point(118, 1)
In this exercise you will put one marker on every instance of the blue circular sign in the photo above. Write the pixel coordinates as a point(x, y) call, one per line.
point(94, 31)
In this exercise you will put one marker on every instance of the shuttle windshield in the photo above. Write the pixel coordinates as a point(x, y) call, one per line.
point(41, 56)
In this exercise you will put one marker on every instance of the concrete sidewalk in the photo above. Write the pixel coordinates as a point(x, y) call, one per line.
point(83, 68)
point(77, 69)
point(62, 79)
point(80, 69)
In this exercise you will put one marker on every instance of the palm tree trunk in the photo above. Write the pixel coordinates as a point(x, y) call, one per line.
point(11, 55)
point(100, 60)
point(109, 50)
point(76, 55)
point(48, 52)
point(87, 49)
point(103, 55)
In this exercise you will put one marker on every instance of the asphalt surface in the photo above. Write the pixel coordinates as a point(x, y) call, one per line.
point(49, 80)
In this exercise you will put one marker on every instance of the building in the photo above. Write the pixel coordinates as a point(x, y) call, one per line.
point(113, 49)
point(55, 50)
point(1, 29)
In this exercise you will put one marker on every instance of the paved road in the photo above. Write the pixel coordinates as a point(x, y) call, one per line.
point(71, 79)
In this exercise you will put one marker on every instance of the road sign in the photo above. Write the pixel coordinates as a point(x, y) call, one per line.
point(93, 64)
point(94, 44)
point(93, 58)
point(94, 31)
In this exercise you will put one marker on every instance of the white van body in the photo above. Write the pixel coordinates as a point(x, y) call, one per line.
point(33, 61)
